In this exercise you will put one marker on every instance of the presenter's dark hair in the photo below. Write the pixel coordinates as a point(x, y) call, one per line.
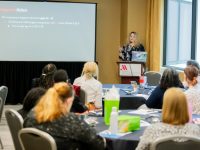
point(60, 76)
point(170, 78)
point(193, 63)
point(46, 78)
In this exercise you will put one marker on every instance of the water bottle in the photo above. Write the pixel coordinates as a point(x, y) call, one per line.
point(143, 81)
point(114, 121)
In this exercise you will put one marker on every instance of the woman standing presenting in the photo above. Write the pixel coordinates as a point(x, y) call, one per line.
point(132, 45)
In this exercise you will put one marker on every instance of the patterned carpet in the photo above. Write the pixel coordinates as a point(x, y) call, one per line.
point(4, 130)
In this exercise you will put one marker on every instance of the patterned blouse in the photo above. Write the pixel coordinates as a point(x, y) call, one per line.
point(126, 53)
point(159, 130)
point(69, 132)
point(193, 97)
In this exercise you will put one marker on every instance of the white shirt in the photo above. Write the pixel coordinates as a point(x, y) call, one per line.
point(93, 88)
point(193, 96)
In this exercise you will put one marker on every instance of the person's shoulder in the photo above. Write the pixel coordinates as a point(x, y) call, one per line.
point(158, 89)
point(95, 80)
point(30, 120)
point(77, 80)
point(141, 47)
point(71, 116)
point(23, 113)
point(154, 127)
point(193, 127)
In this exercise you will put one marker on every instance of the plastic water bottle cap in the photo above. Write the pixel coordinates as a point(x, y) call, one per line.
point(114, 109)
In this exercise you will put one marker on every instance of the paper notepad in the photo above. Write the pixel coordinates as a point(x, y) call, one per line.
point(143, 111)
point(108, 134)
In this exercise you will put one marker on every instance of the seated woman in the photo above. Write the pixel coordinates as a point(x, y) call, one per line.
point(77, 106)
point(195, 64)
point(193, 92)
point(175, 119)
point(46, 78)
point(52, 115)
point(170, 78)
point(89, 82)
point(30, 100)
point(132, 45)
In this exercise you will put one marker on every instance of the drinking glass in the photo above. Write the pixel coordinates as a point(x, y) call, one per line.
point(134, 85)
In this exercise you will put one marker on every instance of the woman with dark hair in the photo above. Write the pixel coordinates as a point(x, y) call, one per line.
point(132, 45)
point(61, 76)
point(193, 92)
point(170, 78)
point(52, 115)
point(46, 78)
point(30, 100)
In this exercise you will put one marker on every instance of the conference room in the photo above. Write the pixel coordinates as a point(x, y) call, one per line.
point(111, 67)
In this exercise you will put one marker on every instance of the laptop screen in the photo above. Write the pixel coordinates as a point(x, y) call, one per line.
point(139, 56)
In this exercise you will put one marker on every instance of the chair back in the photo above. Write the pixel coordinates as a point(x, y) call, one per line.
point(3, 95)
point(83, 96)
point(153, 78)
point(166, 143)
point(1, 104)
point(15, 123)
point(34, 139)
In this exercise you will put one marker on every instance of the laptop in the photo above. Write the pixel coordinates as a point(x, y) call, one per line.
point(139, 56)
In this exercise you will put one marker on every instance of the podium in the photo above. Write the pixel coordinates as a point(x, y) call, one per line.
point(130, 71)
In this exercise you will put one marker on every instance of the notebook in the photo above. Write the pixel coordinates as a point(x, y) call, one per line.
point(139, 56)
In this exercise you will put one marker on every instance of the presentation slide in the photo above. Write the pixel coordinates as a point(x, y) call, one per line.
point(47, 31)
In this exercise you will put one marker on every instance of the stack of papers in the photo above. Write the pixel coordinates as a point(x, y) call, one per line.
point(108, 134)
point(144, 123)
point(143, 111)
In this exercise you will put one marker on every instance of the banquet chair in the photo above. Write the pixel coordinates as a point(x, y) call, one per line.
point(153, 78)
point(83, 96)
point(35, 139)
point(1, 103)
point(15, 123)
point(3, 95)
point(170, 142)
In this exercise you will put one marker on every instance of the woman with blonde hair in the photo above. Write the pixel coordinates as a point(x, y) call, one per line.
point(90, 84)
point(52, 115)
point(193, 93)
point(175, 118)
point(132, 45)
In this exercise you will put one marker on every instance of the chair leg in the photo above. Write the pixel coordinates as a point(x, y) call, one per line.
point(1, 144)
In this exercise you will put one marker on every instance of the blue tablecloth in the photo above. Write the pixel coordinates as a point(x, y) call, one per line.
point(129, 99)
point(129, 141)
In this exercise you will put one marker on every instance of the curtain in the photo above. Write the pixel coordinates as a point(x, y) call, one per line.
point(153, 34)
point(17, 76)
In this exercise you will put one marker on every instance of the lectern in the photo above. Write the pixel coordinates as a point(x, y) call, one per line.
point(130, 70)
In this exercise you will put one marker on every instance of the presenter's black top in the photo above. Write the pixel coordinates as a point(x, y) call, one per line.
point(69, 132)
point(126, 52)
